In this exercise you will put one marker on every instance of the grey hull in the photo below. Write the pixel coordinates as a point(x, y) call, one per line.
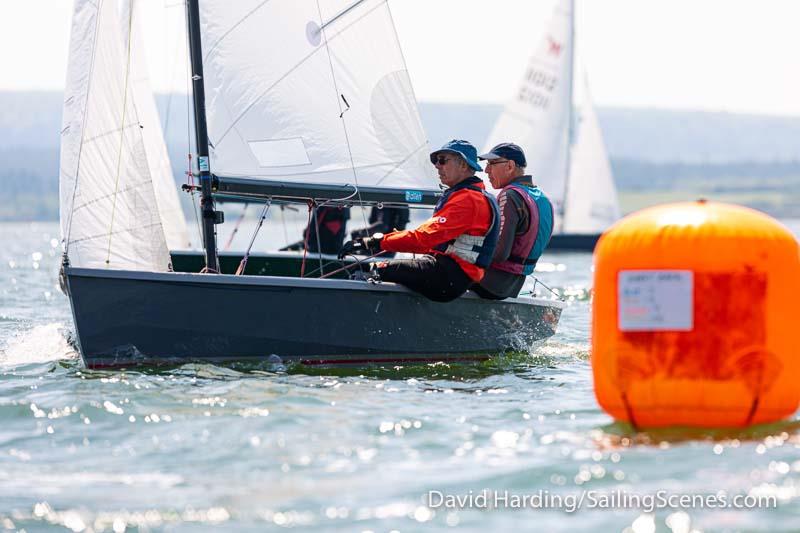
point(125, 318)
point(264, 264)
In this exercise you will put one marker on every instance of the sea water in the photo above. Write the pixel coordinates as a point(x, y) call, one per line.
point(518, 443)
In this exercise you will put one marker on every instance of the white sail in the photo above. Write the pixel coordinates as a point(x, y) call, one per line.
point(169, 207)
point(537, 117)
point(311, 92)
point(552, 118)
point(109, 215)
point(592, 204)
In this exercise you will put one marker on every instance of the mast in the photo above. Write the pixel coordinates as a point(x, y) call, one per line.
point(570, 111)
point(210, 217)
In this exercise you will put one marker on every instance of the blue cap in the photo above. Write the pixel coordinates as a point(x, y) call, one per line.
point(509, 151)
point(462, 148)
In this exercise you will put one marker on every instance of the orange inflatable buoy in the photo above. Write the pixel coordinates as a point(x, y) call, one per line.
point(693, 317)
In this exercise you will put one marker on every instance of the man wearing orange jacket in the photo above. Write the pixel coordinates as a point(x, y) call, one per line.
point(457, 241)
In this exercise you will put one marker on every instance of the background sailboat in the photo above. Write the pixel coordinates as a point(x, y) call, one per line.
point(303, 104)
point(552, 118)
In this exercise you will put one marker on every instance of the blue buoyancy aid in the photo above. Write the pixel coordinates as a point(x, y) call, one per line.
point(528, 246)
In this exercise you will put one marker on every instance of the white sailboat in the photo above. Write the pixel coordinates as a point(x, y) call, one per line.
point(305, 102)
point(552, 118)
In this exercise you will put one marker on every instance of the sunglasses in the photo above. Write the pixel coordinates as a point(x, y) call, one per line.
point(497, 162)
point(442, 160)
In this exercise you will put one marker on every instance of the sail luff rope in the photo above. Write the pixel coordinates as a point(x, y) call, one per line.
point(122, 133)
point(98, 8)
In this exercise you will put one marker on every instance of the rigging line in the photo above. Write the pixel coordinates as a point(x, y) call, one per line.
point(351, 265)
point(290, 71)
point(316, 230)
point(122, 136)
point(540, 282)
point(327, 263)
point(305, 241)
point(243, 263)
point(341, 112)
point(83, 129)
point(236, 227)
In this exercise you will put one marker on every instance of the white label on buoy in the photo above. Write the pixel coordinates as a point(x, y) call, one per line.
point(655, 300)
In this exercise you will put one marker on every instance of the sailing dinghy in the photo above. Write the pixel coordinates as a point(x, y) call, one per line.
point(305, 101)
point(552, 118)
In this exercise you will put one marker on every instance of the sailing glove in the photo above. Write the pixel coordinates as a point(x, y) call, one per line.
point(362, 246)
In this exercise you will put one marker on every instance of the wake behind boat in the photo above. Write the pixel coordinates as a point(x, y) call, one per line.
point(326, 121)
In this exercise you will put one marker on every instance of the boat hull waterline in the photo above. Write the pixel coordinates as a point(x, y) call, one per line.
point(128, 318)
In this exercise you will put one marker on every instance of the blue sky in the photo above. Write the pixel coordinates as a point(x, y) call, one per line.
point(721, 55)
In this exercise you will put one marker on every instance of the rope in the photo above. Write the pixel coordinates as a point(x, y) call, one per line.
point(305, 242)
point(122, 134)
point(351, 265)
point(537, 281)
point(243, 263)
point(236, 227)
point(195, 203)
point(316, 231)
point(339, 103)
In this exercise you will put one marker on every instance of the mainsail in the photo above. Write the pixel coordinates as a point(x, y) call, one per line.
point(307, 92)
point(109, 213)
point(551, 117)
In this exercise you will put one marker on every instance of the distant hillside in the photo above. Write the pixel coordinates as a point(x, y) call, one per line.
point(33, 119)
point(655, 136)
point(652, 151)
